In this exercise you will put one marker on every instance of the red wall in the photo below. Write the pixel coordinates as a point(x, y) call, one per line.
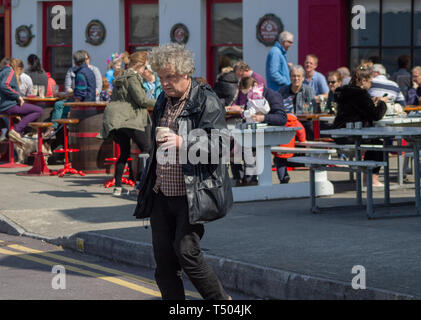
point(323, 32)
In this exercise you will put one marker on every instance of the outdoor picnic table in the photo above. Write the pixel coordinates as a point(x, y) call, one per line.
point(265, 190)
point(399, 121)
point(411, 134)
point(47, 104)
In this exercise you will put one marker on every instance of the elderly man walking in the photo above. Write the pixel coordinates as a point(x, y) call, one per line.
point(277, 69)
point(179, 196)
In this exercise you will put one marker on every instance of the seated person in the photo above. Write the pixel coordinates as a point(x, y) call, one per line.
point(226, 86)
point(36, 72)
point(280, 160)
point(105, 94)
point(11, 102)
point(381, 86)
point(334, 81)
point(298, 97)
point(402, 77)
point(356, 105)
point(85, 90)
point(315, 79)
point(414, 94)
point(275, 117)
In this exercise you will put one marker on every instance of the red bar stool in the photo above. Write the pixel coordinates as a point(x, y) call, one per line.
point(67, 165)
point(113, 161)
point(39, 168)
point(11, 152)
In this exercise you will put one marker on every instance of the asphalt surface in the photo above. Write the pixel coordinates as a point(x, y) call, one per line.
point(269, 249)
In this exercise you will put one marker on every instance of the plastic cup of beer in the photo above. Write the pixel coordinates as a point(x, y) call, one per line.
point(34, 90)
point(41, 91)
point(160, 132)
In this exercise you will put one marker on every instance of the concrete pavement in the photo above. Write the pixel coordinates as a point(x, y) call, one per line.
point(270, 249)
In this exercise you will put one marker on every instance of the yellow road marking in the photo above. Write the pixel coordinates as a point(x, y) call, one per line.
point(114, 280)
point(92, 266)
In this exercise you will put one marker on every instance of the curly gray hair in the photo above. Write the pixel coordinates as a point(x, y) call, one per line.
point(174, 56)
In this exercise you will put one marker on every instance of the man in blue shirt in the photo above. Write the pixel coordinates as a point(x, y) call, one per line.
point(277, 69)
point(315, 79)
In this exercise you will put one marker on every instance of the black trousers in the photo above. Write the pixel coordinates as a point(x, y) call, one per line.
point(176, 247)
point(122, 137)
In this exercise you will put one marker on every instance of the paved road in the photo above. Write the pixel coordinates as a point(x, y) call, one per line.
point(33, 269)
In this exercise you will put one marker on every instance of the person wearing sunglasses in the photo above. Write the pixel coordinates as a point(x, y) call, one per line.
point(334, 81)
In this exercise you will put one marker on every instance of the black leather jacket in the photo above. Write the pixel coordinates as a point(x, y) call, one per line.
point(208, 186)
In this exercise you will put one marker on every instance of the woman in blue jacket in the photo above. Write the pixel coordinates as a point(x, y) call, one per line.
point(11, 102)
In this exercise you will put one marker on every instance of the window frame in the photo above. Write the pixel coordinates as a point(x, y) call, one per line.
point(130, 45)
point(210, 47)
point(380, 47)
point(7, 27)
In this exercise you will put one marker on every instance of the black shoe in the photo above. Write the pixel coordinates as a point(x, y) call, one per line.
point(286, 179)
point(250, 180)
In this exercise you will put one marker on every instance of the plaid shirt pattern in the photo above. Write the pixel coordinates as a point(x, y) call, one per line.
point(170, 176)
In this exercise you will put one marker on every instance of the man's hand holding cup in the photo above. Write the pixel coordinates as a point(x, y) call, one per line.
point(166, 139)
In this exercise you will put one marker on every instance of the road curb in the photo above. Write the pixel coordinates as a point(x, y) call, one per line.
point(250, 279)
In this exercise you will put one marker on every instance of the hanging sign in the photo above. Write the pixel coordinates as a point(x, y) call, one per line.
point(268, 29)
point(23, 35)
point(179, 33)
point(95, 32)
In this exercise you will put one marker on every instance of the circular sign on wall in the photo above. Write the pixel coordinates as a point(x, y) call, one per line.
point(95, 32)
point(179, 33)
point(23, 35)
point(268, 29)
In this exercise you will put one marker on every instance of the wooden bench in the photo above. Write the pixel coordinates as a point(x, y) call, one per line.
point(341, 165)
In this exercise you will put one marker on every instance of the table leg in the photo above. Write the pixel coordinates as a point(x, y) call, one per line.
point(417, 176)
point(358, 173)
point(316, 129)
point(265, 177)
point(400, 164)
point(386, 175)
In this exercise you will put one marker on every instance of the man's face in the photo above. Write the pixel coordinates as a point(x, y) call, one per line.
point(173, 84)
point(288, 43)
point(310, 64)
point(416, 77)
point(297, 78)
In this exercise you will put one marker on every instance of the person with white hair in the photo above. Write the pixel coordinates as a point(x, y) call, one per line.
point(383, 87)
point(277, 67)
point(414, 94)
point(181, 194)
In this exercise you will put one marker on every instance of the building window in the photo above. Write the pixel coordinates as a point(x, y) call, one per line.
point(142, 24)
point(57, 44)
point(224, 35)
point(393, 28)
point(2, 32)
